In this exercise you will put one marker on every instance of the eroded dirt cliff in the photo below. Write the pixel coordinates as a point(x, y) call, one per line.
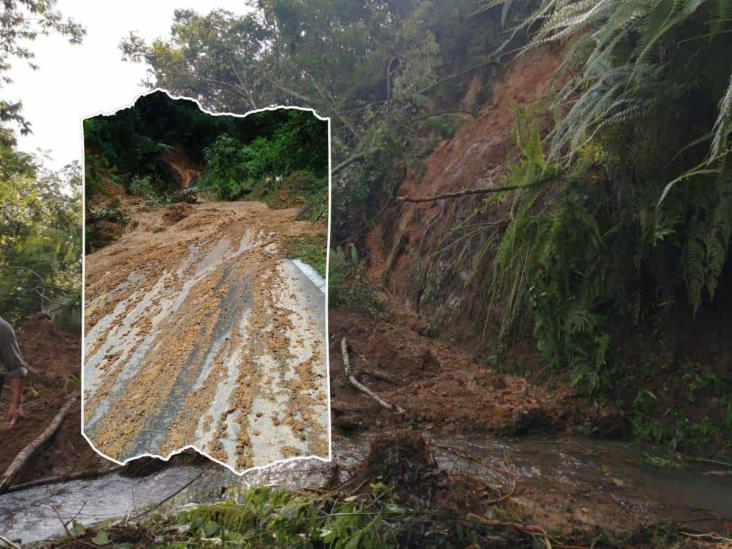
point(424, 253)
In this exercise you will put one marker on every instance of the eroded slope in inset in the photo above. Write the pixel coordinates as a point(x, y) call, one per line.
point(204, 334)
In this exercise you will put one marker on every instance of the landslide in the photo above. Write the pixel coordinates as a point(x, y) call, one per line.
point(434, 260)
point(412, 244)
point(427, 351)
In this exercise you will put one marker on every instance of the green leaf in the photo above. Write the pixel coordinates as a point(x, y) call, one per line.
point(355, 540)
point(211, 528)
point(77, 528)
point(101, 538)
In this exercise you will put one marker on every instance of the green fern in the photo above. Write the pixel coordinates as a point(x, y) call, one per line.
point(708, 245)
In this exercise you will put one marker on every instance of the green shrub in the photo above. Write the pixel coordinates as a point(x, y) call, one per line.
point(226, 168)
point(141, 186)
point(347, 283)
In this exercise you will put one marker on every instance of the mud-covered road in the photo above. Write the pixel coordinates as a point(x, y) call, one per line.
point(199, 331)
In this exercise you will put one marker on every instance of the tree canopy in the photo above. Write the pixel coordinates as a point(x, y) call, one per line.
point(40, 230)
point(232, 152)
point(21, 22)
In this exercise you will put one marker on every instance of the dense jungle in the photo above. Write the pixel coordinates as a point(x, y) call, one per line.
point(529, 280)
point(162, 152)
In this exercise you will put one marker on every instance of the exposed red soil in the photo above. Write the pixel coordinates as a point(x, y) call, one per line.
point(55, 357)
point(183, 168)
point(418, 252)
point(442, 389)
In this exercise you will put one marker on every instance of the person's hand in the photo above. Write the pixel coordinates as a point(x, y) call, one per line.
point(14, 416)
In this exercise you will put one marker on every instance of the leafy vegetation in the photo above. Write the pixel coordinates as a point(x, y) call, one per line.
point(298, 145)
point(622, 233)
point(310, 249)
point(40, 244)
point(347, 282)
point(637, 232)
point(40, 236)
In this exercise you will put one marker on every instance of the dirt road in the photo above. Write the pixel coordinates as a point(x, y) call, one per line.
point(199, 332)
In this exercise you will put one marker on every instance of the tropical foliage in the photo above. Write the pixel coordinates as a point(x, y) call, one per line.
point(234, 155)
point(642, 136)
point(40, 225)
point(40, 241)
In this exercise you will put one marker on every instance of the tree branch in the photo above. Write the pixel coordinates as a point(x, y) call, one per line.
point(467, 192)
point(358, 385)
point(347, 162)
point(26, 453)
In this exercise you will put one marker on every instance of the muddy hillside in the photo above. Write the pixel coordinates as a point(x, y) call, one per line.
point(55, 357)
point(201, 332)
point(411, 248)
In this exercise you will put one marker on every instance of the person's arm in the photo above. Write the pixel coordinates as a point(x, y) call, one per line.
point(15, 412)
point(17, 370)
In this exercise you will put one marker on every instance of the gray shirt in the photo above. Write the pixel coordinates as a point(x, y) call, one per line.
point(10, 352)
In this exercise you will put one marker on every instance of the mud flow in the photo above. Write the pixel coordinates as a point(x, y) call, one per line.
point(199, 332)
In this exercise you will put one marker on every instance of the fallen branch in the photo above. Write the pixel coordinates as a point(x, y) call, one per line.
point(712, 536)
point(467, 192)
point(358, 385)
point(442, 113)
point(706, 460)
point(169, 497)
point(9, 543)
point(347, 162)
point(26, 453)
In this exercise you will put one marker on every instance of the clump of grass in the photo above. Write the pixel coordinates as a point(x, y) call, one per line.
point(347, 282)
point(311, 249)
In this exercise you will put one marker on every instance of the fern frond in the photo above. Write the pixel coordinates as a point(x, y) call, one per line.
point(723, 124)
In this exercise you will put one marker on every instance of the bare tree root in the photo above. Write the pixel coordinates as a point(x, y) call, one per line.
point(26, 453)
point(361, 387)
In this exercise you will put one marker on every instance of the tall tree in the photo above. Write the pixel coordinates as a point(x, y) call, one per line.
point(21, 22)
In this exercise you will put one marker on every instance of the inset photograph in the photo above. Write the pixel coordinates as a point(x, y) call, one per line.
point(205, 295)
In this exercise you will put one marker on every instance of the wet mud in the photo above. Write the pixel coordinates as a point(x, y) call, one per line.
point(203, 334)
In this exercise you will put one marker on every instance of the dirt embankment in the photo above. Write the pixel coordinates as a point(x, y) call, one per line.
point(56, 356)
point(423, 252)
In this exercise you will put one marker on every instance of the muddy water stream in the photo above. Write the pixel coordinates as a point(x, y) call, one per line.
point(587, 481)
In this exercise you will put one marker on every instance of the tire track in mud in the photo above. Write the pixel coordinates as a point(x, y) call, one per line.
point(203, 334)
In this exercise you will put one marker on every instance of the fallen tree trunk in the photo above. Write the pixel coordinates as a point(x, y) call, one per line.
point(26, 453)
point(361, 387)
point(467, 192)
